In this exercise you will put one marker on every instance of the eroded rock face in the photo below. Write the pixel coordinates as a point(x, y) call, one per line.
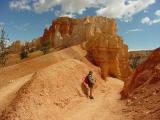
point(58, 31)
point(109, 52)
point(146, 73)
point(142, 89)
point(66, 31)
point(104, 45)
point(16, 47)
point(124, 65)
point(36, 43)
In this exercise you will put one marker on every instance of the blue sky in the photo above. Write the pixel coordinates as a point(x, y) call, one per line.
point(138, 21)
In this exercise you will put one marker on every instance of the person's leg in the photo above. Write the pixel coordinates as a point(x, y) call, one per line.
point(87, 90)
point(91, 93)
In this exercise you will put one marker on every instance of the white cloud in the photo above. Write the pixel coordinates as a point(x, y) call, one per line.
point(67, 7)
point(22, 27)
point(156, 21)
point(1, 23)
point(145, 11)
point(41, 6)
point(122, 9)
point(145, 20)
point(20, 5)
point(134, 30)
point(157, 13)
point(67, 15)
point(148, 21)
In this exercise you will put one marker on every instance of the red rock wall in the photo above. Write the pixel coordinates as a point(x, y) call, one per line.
point(105, 46)
point(73, 31)
point(109, 52)
point(63, 25)
point(146, 73)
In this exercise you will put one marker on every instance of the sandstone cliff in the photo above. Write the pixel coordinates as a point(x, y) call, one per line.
point(59, 33)
point(104, 45)
point(143, 89)
point(109, 52)
point(66, 31)
point(145, 73)
point(137, 57)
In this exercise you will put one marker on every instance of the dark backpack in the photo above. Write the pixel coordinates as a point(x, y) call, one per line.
point(90, 83)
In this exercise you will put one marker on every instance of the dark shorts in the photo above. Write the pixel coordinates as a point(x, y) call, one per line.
point(90, 85)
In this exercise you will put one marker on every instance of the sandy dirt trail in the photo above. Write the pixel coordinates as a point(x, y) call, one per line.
point(106, 106)
point(8, 93)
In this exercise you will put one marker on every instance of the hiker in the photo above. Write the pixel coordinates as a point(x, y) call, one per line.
point(89, 84)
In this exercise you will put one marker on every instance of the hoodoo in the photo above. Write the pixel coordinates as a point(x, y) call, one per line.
point(103, 44)
point(109, 52)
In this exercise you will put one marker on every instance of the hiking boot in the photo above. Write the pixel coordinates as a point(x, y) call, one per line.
point(91, 97)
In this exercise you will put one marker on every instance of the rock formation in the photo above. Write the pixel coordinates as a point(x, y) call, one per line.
point(146, 73)
point(109, 52)
point(35, 43)
point(137, 57)
point(66, 31)
point(15, 47)
point(124, 65)
point(142, 89)
point(105, 46)
point(59, 32)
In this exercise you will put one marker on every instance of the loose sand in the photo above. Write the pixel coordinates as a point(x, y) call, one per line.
point(55, 93)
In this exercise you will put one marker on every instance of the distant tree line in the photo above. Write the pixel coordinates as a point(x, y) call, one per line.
point(18, 47)
point(45, 46)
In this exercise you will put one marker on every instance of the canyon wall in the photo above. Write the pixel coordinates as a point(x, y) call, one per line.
point(108, 51)
point(147, 73)
point(104, 46)
point(142, 89)
point(66, 31)
point(59, 33)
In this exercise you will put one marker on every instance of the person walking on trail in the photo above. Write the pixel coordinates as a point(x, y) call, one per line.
point(89, 83)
